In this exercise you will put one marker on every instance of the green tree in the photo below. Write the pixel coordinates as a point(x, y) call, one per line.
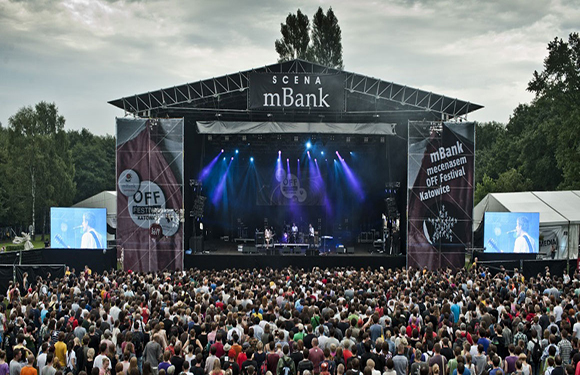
point(326, 37)
point(490, 159)
point(326, 46)
point(557, 91)
point(41, 169)
point(508, 181)
point(295, 37)
point(4, 170)
point(94, 161)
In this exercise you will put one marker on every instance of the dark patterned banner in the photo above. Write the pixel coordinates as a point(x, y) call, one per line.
point(150, 193)
point(440, 194)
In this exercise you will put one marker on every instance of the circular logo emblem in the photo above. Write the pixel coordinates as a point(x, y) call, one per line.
point(128, 182)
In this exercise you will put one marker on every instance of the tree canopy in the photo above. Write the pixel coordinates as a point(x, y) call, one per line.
point(326, 38)
point(45, 166)
point(539, 148)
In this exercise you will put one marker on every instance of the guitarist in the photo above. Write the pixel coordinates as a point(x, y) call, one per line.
point(91, 238)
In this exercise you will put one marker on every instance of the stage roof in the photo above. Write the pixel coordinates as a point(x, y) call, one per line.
point(367, 100)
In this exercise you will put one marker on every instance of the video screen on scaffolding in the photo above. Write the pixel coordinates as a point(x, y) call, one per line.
point(511, 232)
point(78, 228)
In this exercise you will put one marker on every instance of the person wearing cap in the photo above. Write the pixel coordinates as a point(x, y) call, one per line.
point(324, 369)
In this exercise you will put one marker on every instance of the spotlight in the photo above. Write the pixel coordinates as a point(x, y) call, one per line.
point(232, 158)
point(321, 152)
point(279, 152)
point(351, 153)
point(278, 159)
point(252, 159)
point(224, 158)
point(308, 144)
point(222, 150)
point(287, 160)
point(237, 151)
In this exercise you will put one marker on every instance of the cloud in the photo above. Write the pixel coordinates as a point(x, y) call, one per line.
point(82, 53)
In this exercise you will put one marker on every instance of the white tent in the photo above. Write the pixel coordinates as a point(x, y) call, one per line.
point(104, 199)
point(559, 216)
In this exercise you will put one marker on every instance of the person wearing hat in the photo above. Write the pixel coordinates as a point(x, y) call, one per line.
point(324, 368)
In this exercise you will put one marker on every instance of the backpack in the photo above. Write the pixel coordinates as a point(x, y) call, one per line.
point(264, 367)
point(459, 341)
point(286, 369)
point(537, 352)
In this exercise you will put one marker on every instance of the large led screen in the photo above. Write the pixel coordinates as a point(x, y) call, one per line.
point(511, 232)
point(78, 228)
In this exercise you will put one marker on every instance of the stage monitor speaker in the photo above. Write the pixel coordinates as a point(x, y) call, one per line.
point(350, 250)
point(196, 244)
point(341, 249)
point(312, 252)
point(296, 250)
point(248, 249)
point(259, 238)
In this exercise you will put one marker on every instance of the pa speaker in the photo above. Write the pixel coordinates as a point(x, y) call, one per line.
point(249, 249)
point(196, 244)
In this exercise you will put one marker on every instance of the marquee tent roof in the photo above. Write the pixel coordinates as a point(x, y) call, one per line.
point(104, 199)
point(555, 207)
point(367, 99)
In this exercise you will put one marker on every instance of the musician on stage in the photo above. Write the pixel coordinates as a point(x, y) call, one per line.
point(294, 233)
point(268, 236)
point(310, 235)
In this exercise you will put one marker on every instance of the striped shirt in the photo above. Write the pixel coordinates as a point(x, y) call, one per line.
point(565, 348)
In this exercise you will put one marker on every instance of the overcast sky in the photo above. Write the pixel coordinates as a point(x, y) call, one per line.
point(80, 54)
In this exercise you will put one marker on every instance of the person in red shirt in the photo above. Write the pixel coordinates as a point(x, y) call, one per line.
point(219, 346)
point(316, 355)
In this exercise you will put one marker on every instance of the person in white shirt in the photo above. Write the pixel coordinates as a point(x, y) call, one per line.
point(91, 238)
point(524, 242)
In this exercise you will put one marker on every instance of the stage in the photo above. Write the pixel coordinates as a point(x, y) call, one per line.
point(237, 156)
point(221, 255)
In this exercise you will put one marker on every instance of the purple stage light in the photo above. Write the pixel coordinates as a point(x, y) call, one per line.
point(352, 180)
point(222, 150)
point(207, 170)
point(221, 186)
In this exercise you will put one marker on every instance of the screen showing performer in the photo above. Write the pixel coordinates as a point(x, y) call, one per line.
point(511, 232)
point(78, 228)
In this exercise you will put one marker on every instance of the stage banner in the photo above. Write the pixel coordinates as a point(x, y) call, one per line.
point(304, 91)
point(440, 179)
point(554, 242)
point(150, 193)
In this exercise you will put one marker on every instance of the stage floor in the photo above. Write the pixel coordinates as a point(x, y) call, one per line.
point(244, 248)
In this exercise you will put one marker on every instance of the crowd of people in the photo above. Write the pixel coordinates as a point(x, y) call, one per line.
point(292, 322)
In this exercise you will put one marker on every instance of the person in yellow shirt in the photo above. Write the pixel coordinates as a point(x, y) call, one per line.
point(60, 349)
